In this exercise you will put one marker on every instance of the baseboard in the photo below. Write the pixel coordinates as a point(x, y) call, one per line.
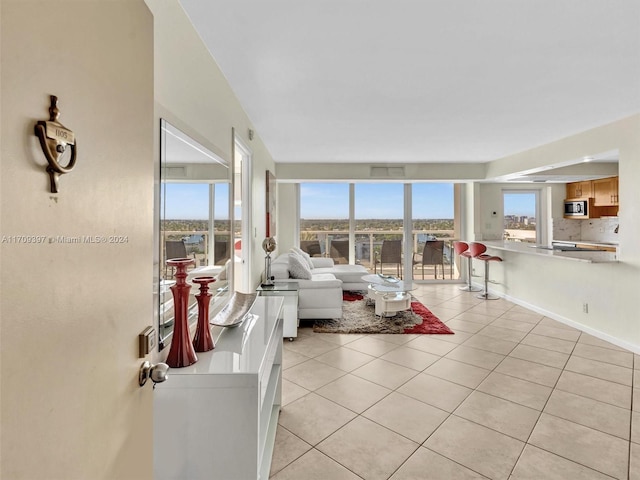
point(572, 323)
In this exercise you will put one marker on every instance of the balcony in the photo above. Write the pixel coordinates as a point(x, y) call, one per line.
point(335, 244)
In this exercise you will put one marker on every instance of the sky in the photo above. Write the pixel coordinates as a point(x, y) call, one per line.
point(375, 200)
point(385, 200)
point(520, 204)
point(190, 201)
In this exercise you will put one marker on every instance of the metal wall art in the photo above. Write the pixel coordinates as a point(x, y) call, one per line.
point(54, 140)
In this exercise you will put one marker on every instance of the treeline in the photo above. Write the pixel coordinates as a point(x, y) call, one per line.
point(375, 224)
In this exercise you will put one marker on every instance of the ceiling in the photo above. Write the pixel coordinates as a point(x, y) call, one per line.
point(423, 80)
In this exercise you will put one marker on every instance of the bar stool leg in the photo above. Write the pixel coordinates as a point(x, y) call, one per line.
point(469, 287)
point(486, 295)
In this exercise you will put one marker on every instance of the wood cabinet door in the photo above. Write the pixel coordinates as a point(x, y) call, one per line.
point(579, 189)
point(605, 192)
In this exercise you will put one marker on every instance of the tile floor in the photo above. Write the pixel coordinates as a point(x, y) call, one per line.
point(512, 395)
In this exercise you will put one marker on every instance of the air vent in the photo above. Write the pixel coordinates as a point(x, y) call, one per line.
point(387, 172)
point(175, 172)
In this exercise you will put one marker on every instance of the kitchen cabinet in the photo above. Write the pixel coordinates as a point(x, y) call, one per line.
point(580, 189)
point(605, 192)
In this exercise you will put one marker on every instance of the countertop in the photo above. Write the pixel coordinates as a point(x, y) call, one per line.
point(545, 251)
point(591, 242)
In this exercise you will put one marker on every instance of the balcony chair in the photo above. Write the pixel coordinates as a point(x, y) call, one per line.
point(340, 251)
point(312, 247)
point(220, 252)
point(175, 249)
point(432, 254)
point(391, 252)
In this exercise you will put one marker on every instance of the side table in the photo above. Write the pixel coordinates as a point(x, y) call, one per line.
point(289, 292)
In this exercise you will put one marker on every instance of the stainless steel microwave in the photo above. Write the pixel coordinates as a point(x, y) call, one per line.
point(576, 208)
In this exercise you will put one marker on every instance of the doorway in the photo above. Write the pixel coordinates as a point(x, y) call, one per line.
point(241, 214)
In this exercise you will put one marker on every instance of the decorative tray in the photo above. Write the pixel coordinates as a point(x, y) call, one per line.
point(236, 311)
point(388, 278)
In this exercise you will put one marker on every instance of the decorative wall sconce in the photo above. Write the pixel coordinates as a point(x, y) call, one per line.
point(54, 140)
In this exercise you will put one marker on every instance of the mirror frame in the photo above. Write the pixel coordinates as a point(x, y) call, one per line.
point(164, 338)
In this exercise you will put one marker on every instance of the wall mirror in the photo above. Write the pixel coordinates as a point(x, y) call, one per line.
point(194, 208)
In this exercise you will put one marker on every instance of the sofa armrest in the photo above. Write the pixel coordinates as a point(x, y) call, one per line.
point(322, 262)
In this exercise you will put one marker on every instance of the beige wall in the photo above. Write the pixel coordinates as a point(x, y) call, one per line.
point(71, 313)
point(559, 288)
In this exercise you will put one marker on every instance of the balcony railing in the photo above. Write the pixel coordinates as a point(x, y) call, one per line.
point(369, 242)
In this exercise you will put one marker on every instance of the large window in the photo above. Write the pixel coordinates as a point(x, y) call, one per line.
point(432, 207)
point(379, 211)
point(187, 217)
point(324, 220)
point(520, 216)
point(373, 235)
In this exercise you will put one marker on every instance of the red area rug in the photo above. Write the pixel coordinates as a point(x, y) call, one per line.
point(359, 317)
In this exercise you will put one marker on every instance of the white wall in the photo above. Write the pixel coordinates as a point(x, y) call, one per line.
point(556, 287)
point(490, 198)
point(193, 94)
point(288, 214)
point(71, 313)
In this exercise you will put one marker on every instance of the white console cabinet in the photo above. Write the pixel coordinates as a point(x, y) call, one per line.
point(289, 293)
point(217, 419)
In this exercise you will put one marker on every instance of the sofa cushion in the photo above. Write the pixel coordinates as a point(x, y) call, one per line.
point(351, 274)
point(298, 267)
point(305, 256)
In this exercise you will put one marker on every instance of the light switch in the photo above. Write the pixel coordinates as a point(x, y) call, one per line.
point(147, 341)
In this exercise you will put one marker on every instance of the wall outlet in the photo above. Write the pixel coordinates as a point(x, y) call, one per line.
point(585, 308)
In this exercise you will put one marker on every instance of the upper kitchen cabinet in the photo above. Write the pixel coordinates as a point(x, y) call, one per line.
point(580, 189)
point(605, 192)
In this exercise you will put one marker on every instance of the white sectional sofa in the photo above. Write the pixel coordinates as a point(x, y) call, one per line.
point(321, 295)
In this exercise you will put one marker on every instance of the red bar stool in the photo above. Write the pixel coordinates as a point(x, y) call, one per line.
point(462, 249)
point(477, 251)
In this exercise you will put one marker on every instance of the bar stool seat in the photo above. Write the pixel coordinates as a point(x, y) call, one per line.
point(462, 250)
point(477, 251)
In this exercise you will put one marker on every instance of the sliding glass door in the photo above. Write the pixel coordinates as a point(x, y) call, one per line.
point(379, 211)
point(433, 231)
point(364, 223)
point(324, 220)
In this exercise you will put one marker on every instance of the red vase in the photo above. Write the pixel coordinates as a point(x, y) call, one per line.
point(181, 353)
point(202, 341)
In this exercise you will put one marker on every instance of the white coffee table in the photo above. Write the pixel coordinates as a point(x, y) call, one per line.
point(389, 294)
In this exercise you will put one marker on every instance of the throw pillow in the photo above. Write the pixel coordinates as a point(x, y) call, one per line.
point(306, 257)
point(298, 267)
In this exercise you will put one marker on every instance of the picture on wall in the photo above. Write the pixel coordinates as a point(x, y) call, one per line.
point(271, 204)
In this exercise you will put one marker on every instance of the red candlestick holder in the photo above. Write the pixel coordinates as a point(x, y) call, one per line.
point(181, 353)
point(202, 341)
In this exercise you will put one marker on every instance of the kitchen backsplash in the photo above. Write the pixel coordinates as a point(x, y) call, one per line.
point(597, 229)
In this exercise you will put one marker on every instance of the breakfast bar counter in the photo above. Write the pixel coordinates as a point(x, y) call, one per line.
point(548, 251)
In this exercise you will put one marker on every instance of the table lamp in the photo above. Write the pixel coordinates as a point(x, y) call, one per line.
point(268, 245)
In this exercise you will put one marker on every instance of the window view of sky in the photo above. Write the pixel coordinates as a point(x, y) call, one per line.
point(190, 201)
point(375, 200)
point(520, 204)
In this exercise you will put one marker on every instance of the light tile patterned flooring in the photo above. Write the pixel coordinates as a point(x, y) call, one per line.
point(512, 395)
